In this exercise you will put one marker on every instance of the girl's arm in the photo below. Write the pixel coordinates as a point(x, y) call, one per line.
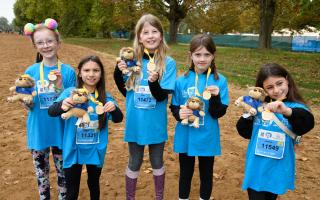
point(301, 120)
point(157, 92)
point(175, 110)
point(216, 108)
point(117, 75)
point(244, 127)
point(55, 109)
point(116, 115)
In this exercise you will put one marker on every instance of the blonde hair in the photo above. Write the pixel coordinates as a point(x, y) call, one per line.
point(160, 56)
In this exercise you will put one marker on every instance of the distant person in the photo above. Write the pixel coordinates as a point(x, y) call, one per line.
point(86, 144)
point(270, 162)
point(207, 89)
point(44, 132)
point(146, 103)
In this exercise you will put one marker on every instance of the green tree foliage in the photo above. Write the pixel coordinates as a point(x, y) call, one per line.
point(4, 25)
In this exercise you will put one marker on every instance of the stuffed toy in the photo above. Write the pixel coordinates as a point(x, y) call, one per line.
point(133, 67)
point(23, 90)
point(81, 109)
point(252, 103)
point(196, 105)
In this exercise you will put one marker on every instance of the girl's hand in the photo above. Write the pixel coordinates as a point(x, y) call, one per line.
point(58, 81)
point(67, 104)
point(109, 107)
point(214, 90)
point(184, 112)
point(279, 107)
point(122, 65)
point(153, 76)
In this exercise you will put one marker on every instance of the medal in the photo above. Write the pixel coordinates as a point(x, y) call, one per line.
point(99, 109)
point(267, 115)
point(42, 76)
point(99, 105)
point(52, 76)
point(151, 66)
point(206, 94)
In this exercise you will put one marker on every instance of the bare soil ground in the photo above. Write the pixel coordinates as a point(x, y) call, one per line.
point(17, 179)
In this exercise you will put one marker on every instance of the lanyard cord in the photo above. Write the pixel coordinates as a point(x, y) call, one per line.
point(196, 80)
point(94, 99)
point(151, 59)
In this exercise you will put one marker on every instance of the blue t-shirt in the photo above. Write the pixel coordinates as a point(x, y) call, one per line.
point(265, 173)
point(74, 153)
point(44, 131)
point(149, 126)
point(205, 140)
point(22, 90)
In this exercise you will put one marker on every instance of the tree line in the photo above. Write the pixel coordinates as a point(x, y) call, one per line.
point(98, 18)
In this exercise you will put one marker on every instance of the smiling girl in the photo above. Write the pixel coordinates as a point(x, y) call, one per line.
point(270, 159)
point(210, 87)
point(44, 132)
point(147, 103)
point(89, 148)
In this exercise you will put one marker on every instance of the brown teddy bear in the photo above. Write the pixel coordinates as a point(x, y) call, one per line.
point(133, 67)
point(23, 90)
point(81, 109)
point(252, 103)
point(196, 105)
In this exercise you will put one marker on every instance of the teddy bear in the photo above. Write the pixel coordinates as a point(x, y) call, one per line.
point(133, 67)
point(23, 90)
point(81, 109)
point(252, 103)
point(196, 105)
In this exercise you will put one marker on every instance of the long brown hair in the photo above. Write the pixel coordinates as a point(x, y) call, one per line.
point(274, 69)
point(160, 56)
point(101, 85)
point(206, 41)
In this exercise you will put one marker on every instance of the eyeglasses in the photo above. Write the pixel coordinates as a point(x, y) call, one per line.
point(49, 43)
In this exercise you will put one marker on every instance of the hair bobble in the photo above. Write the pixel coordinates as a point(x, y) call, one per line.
point(52, 24)
point(28, 29)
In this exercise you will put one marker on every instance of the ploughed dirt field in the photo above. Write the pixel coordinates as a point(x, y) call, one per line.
point(17, 179)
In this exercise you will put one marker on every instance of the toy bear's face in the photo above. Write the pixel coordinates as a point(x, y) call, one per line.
point(24, 81)
point(194, 103)
point(127, 53)
point(257, 93)
point(80, 96)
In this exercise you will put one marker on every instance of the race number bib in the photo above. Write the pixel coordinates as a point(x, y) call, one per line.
point(46, 94)
point(88, 133)
point(143, 98)
point(270, 144)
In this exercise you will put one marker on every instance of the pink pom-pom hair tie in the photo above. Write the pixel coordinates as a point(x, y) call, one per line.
point(52, 24)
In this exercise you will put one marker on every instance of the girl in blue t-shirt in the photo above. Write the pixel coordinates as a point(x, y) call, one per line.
point(146, 103)
point(273, 133)
point(207, 89)
point(50, 76)
point(86, 143)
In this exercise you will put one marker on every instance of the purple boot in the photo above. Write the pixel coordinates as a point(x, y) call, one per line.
point(159, 186)
point(131, 184)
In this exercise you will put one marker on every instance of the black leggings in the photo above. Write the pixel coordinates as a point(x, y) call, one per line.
point(186, 173)
point(73, 176)
point(262, 195)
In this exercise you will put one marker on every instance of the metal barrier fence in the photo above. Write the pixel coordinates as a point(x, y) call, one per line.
point(289, 43)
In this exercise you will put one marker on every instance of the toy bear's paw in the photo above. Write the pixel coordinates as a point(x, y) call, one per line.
point(10, 99)
point(196, 125)
point(27, 100)
point(125, 71)
point(64, 116)
point(253, 111)
point(184, 122)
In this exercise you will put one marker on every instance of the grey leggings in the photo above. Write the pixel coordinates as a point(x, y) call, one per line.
point(136, 155)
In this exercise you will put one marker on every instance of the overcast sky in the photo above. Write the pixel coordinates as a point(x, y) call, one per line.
point(6, 9)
